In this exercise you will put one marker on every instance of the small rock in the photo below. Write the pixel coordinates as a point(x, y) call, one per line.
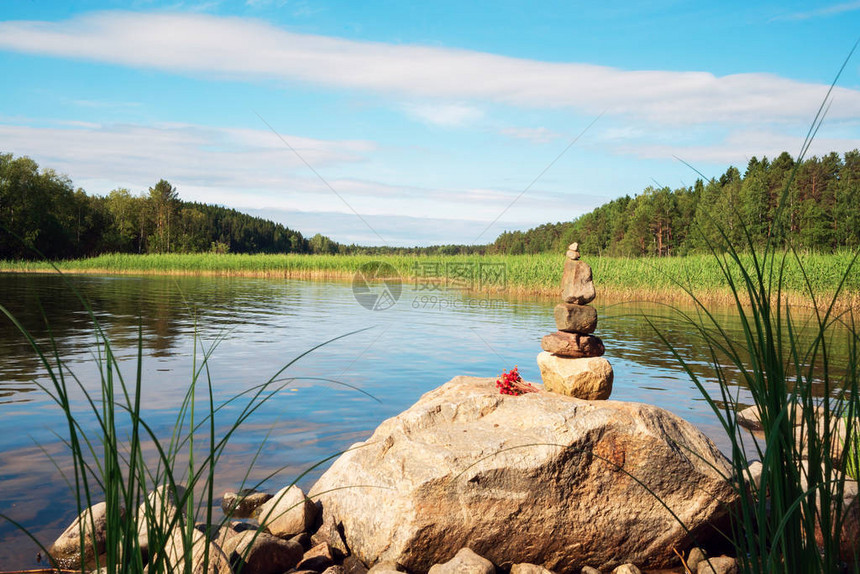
point(572, 255)
point(576, 284)
point(627, 569)
point(385, 567)
point(352, 565)
point(332, 533)
point(572, 345)
point(529, 569)
point(336, 569)
point(262, 553)
point(464, 562)
point(244, 503)
point(718, 565)
point(317, 558)
point(157, 512)
point(589, 570)
point(288, 513)
point(694, 558)
point(200, 550)
point(755, 469)
point(588, 378)
point(750, 418)
point(66, 550)
point(575, 318)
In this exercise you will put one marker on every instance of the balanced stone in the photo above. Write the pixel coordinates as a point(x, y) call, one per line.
point(575, 318)
point(573, 251)
point(576, 284)
point(589, 378)
point(573, 345)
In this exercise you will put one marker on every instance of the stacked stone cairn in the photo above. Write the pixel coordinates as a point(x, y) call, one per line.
point(571, 362)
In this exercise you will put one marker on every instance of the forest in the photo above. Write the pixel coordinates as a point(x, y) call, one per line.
point(43, 209)
point(821, 213)
point(820, 195)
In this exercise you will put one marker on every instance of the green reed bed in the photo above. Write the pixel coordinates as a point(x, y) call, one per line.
point(538, 274)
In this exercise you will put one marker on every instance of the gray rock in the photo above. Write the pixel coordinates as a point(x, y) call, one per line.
point(443, 474)
point(589, 378)
point(575, 318)
point(576, 284)
point(627, 569)
point(262, 553)
point(288, 513)
point(694, 558)
point(92, 524)
point(529, 569)
point(243, 504)
point(718, 565)
point(573, 345)
point(464, 562)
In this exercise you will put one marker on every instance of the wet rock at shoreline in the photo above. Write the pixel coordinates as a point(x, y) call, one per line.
point(575, 318)
point(288, 513)
point(587, 378)
point(200, 551)
point(159, 510)
point(464, 562)
point(244, 503)
point(66, 550)
point(446, 473)
point(576, 284)
point(573, 345)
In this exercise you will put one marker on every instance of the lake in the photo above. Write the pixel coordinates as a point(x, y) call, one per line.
point(257, 326)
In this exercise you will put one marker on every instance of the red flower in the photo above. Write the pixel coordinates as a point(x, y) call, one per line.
point(512, 384)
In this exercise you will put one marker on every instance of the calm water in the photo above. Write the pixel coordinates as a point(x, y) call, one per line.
point(260, 325)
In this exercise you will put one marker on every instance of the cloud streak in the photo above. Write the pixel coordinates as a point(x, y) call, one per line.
point(245, 49)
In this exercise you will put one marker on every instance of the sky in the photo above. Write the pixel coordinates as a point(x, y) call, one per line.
point(407, 123)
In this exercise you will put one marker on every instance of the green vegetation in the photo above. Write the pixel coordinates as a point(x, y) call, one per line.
point(43, 208)
point(525, 274)
point(822, 213)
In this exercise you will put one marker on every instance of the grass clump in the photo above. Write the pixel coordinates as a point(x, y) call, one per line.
point(153, 494)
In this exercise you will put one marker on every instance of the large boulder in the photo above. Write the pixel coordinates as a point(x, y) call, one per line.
point(539, 478)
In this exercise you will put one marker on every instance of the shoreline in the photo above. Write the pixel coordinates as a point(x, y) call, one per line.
point(608, 294)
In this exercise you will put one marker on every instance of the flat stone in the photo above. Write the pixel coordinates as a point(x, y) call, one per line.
point(576, 284)
point(575, 318)
point(573, 345)
point(589, 378)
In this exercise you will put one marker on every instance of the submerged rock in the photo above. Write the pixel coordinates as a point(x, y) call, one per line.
point(92, 523)
point(540, 478)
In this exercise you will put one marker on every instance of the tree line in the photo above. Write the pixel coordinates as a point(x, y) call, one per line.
point(813, 205)
point(45, 210)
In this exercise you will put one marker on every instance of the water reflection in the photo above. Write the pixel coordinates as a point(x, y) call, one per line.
point(253, 327)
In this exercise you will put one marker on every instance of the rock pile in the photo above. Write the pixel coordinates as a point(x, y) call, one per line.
point(572, 360)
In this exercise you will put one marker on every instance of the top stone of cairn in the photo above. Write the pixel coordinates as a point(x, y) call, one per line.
point(573, 251)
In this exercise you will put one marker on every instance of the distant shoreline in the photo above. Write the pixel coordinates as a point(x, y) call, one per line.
point(616, 279)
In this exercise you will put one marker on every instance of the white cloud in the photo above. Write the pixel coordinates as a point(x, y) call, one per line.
point(738, 147)
point(822, 12)
point(535, 135)
point(238, 48)
point(447, 115)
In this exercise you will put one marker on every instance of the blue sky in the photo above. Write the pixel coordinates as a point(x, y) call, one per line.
point(435, 122)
